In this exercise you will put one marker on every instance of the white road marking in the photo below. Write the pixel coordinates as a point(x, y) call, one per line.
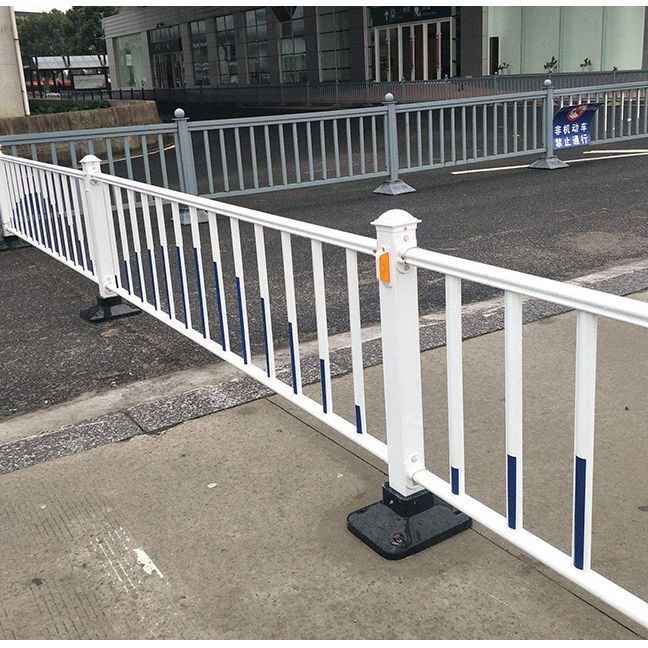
point(140, 155)
point(635, 153)
point(596, 152)
point(147, 564)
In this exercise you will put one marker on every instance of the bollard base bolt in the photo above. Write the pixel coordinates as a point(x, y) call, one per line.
point(394, 188)
point(400, 526)
point(108, 308)
point(12, 243)
point(549, 164)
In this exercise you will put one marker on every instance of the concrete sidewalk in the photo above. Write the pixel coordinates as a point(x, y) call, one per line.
point(233, 525)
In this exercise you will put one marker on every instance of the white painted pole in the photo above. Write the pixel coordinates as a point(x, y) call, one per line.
point(396, 232)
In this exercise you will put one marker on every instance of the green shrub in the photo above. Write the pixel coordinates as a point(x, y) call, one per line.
point(42, 108)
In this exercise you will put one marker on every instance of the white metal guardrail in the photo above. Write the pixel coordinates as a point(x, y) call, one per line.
point(246, 155)
point(140, 252)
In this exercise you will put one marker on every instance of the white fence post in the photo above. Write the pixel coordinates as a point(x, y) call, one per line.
point(101, 240)
point(393, 186)
point(188, 181)
point(399, 316)
point(408, 519)
point(5, 201)
point(548, 161)
point(7, 241)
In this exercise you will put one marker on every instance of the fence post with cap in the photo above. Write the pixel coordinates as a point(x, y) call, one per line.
point(407, 519)
point(393, 186)
point(7, 241)
point(103, 247)
point(188, 181)
point(548, 161)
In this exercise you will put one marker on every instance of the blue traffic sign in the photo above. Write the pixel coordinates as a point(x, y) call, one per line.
point(571, 125)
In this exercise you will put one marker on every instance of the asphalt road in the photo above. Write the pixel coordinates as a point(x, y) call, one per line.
point(559, 224)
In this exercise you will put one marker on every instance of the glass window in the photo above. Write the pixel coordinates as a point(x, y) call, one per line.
point(256, 37)
point(293, 48)
point(333, 33)
point(129, 61)
point(226, 44)
point(198, 40)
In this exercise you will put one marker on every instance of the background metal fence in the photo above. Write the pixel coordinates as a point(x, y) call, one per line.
point(126, 236)
point(362, 93)
point(247, 155)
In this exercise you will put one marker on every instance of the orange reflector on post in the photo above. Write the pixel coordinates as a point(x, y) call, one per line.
point(384, 272)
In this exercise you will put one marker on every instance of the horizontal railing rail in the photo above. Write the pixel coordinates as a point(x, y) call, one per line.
point(128, 237)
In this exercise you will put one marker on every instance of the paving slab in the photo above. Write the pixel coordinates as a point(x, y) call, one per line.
point(240, 519)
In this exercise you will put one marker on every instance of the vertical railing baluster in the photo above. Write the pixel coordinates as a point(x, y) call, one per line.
point(127, 155)
point(150, 249)
point(145, 157)
point(323, 149)
point(163, 166)
point(495, 134)
point(268, 155)
point(408, 156)
point(264, 298)
point(164, 255)
point(430, 138)
point(200, 274)
point(253, 155)
point(464, 130)
point(239, 159)
point(419, 139)
point(474, 132)
point(322, 325)
point(336, 148)
point(586, 325)
point(374, 143)
point(349, 147)
point(442, 134)
point(137, 248)
point(455, 383)
point(515, 126)
point(74, 188)
point(361, 146)
point(240, 289)
point(485, 130)
point(219, 285)
point(282, 155)
point(295, 139)
point(513, 405)
point(182, 270)
point(208, 162)
point(223, 154)
point(355, 325)
point(291, 312)
point(309, 147)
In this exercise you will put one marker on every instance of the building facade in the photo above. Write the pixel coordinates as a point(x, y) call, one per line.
point(176, 47)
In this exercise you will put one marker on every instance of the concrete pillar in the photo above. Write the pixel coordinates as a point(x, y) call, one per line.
point(13, 99)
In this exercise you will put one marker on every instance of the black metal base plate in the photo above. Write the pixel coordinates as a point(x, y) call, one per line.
point(12, 243)
point(399, 526)
point(108, 308)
